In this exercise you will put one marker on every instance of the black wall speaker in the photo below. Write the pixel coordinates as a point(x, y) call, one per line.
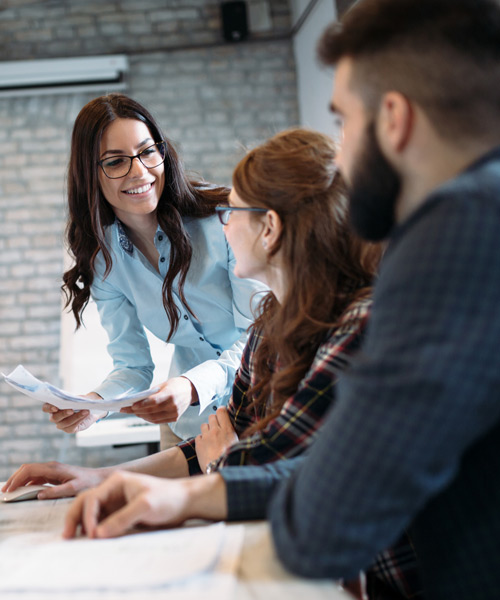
point(234, 21)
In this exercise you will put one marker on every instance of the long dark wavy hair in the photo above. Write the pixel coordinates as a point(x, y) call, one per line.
point(327, 267)
point(90, 213)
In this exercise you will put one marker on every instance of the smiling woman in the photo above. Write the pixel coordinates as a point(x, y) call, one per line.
point(149, 250)
point(132, 184)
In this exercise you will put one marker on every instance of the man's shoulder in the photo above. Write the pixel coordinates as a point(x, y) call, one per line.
point(462, 215)
point(460, 202)
point(475, 188)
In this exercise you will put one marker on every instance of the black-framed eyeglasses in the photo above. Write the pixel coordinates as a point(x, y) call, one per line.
point(118, 166)
point(224, 212)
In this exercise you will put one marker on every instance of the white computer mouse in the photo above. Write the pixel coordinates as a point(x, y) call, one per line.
point(27, 492)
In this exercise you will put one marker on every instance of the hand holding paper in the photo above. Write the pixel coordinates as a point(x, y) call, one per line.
point(21, 379)
point(73, 421)
point(171, 399)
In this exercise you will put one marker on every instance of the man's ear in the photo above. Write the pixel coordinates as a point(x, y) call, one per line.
point(395, 121)
point(272, 229)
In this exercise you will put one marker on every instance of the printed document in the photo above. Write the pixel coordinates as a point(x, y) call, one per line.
point(177, 564)
point(22, 380)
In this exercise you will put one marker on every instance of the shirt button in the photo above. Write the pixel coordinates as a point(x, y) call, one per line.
point(202, 340)
point(186, 317)
point(218, 353)
point(160, 237)
point(162, 259)
point(214, 407)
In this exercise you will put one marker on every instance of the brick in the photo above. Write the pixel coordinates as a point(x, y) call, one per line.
point(10, 257)
point(16, 187)
point(22, 270)
point(40, 327)
point(18, 242)
point(50, 311)
point(9, 229)
point(111, 29)
point(36, 35)
point(13, 160)
point(137, 28)
point(10, 328)
point(172, 15)
point(91, 8)
point(86, 31)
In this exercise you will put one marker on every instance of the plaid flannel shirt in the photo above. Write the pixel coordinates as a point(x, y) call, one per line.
point(292, 431)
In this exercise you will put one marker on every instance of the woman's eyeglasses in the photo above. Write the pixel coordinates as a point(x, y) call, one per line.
point(224, 212)
point(115, 167)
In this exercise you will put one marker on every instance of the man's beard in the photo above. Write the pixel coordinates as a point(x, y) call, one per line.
point(373, 191)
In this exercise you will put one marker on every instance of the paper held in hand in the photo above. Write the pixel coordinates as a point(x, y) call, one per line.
point(21, 379)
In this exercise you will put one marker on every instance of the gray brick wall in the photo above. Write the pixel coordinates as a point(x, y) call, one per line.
point(50, 28)
point(213, 101)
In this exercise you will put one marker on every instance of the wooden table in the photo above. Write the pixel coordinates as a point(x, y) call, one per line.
point(259, 575)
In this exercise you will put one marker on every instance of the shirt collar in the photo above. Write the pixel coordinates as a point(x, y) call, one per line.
point(493, 154)
point(123, 238)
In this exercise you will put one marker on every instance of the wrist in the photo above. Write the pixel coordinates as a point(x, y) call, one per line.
point(194, 393)
point(103, 473)
point(206, 497)
point(212, 467)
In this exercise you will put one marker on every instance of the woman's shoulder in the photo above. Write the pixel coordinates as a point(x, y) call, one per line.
point(357, 312)
point(255, 337)
point(205, 231)
point(350, 328)
point(339, 345)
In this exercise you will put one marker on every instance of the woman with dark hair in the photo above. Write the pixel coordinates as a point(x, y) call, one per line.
point(148, 248)
point(287, 223)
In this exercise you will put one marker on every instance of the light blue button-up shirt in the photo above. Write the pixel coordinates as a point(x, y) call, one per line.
point(208, 350)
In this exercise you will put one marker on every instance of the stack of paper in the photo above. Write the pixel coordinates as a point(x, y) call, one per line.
point(179, 564)
point(21, 379)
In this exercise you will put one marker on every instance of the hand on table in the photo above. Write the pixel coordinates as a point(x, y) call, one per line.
point(168, 404)
point(71, 421)
point(124, 501)
point(66, 479)
point(215, 437)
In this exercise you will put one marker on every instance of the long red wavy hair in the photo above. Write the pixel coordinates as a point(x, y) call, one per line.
point(327, 266)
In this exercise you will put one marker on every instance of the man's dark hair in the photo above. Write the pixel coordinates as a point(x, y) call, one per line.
point(443, 55)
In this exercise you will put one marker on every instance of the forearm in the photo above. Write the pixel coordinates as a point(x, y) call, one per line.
point(169, 463)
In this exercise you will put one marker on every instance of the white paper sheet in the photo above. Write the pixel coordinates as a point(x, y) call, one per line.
point(180, 564)
point(22, 380)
